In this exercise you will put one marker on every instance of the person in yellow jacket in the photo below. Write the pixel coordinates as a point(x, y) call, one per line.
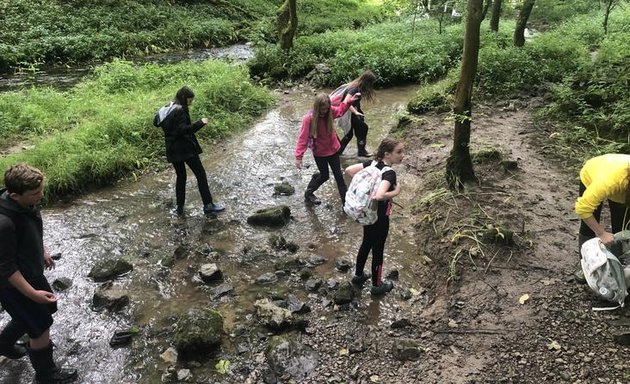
point(605, 177)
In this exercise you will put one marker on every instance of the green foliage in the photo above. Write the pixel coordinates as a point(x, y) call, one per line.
point(321, 16)
point(73, 31)
point(553, 11)
point(391, 50)
point(504, 69)
point(101, 130)
point(436, 97)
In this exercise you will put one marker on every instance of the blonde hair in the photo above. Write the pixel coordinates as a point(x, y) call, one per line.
point(20, 178)
point(320, 100)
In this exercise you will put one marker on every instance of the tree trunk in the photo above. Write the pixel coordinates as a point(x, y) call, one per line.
point(287, 24)
point(496, 13)
point(610, 4)
point(521, 22)
point(485, 9)
point(459, 167)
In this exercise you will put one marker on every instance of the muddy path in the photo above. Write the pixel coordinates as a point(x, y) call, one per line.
point(478, 325)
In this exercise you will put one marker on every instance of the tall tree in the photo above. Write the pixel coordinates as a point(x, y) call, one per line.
point(496, 13)
point(287, 24)
point(608, 6)
point(521, 22)
point(459, 167)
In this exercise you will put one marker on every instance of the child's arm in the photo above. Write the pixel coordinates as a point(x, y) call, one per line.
point(302, 141)
point(354, 169)
point(384, 193)
point(38, 296)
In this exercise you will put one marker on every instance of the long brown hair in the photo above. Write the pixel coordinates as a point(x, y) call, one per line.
point(387, 145)
point(365, 83)
point(320, 100)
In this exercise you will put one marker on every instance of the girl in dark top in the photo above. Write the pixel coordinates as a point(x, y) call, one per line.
point(389, 152)
point(183, 148)
point(364, 85)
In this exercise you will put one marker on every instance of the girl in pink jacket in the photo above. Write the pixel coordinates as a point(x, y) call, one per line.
point(318, 134)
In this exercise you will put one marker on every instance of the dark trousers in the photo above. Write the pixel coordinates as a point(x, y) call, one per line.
point(318, 179)
point(617, 214)
point(194, 163)
point(374, 237)
point(358, 127)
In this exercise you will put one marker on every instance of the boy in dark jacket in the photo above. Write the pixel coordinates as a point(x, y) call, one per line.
point(24, 291)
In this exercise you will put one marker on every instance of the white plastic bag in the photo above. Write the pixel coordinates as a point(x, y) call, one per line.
point(604, 273)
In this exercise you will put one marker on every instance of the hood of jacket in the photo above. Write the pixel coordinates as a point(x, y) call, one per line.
point(165, 111)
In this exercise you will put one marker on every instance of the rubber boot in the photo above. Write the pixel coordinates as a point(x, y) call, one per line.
point(313, 185)
point(361, 152)
point(8, 337)
point(46, 371)
point(344, 142)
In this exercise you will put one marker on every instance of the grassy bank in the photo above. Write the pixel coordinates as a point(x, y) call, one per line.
point(395, 52)
point(102, 129)
point(46, 32)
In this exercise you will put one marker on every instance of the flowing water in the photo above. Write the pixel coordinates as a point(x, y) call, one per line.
point(65, 77)
point(134, 220)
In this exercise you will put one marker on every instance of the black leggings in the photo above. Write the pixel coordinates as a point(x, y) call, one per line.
point(374, 237)
point(324, 175)
point(359, 127)
point(617, 214)
point(194, 163)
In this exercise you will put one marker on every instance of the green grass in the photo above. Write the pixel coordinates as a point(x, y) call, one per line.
point(102, 129)
point(395, 53)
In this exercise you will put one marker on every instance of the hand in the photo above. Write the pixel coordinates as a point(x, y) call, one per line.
point(43, 297)
point(607, 238)
point(204, 120)
point(298, 163)
point(50, 263)
point(359, 114)
point(355, 97)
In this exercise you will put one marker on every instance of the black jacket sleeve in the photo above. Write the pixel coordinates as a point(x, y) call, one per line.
point(183, 126)
point(8, 248)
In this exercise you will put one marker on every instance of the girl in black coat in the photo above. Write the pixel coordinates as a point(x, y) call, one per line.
point(183, 148)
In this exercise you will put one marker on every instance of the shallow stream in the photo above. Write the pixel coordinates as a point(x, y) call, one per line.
point(134, 220)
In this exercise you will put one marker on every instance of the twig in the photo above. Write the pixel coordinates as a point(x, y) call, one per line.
point(493, 288)
point(490, 262)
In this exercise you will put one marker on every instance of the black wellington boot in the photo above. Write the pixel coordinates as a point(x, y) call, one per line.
point(8, 337)
point(313, 185)
point(46, 371)
point(344, 142)
point(361, 152)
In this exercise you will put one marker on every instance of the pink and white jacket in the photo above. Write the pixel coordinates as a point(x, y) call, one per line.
point(326, 144)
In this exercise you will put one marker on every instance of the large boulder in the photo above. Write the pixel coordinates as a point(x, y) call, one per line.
point(198, 332)
point(287, 356)
point(210, 273)
point(109, 269)
point(345, 294)
point(276, 318)
point(110, 297)
point(271, 216)
point(407, 349)
point(283, 189)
